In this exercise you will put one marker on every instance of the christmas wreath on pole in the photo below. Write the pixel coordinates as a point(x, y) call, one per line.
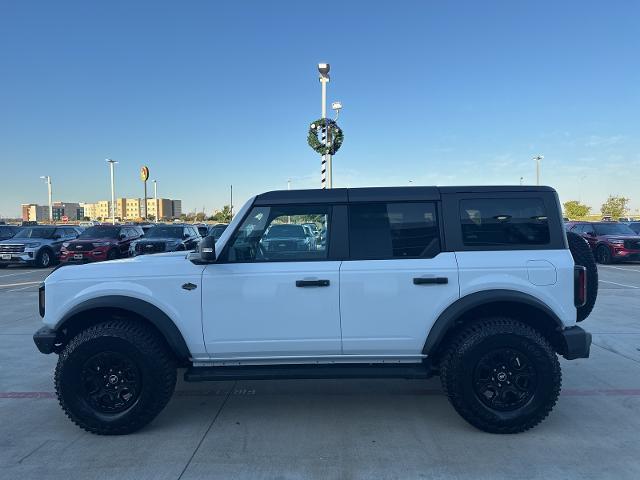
point(334, 136)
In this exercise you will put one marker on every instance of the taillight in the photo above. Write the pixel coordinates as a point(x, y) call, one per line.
point(579, 285)
point(41, 300)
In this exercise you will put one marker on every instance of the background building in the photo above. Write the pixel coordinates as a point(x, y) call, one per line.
point(126, 209)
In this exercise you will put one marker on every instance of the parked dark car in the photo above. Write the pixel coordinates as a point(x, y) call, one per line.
point(8, 231)
point(217, 230)
point(282, 239)
point(166, 238)
point(36, 245)
point(101, 242)
point(202, 229)
point(610, 241)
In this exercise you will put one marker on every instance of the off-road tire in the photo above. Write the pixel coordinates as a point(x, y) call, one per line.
point(582, 255)
point(41, 258)
point(482, 337)
point(147, 351)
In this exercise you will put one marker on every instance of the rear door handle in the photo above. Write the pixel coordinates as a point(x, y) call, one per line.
point(312, 283)
point(430, 280)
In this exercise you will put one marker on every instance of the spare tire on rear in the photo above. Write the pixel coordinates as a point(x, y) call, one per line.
point(582, 255)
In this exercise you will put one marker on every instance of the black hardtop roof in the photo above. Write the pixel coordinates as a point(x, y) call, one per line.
point(379, 194)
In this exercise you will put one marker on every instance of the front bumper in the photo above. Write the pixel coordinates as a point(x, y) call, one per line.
point(28, 256)
point(96, 255)
point(576, 343)
point(46, 340)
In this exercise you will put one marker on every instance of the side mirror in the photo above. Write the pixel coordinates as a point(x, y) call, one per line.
point(122, 236)
point(185, 236)
point(208, 250)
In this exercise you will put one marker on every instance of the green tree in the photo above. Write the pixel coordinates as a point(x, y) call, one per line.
point(614, 206)
point(223, 216)
point(575, 209)
point(200, 216)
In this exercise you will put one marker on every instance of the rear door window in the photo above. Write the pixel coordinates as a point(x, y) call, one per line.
point(504, 222)
point(380, 231)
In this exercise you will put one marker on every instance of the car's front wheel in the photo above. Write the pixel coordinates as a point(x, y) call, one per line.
point(44, 258)
point(603, 255)
point(501, 375)
point(115, 377)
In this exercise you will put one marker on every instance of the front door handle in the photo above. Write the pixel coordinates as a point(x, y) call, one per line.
point(312, 283)
point(430, 280)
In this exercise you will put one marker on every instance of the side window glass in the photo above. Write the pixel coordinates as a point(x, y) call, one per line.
point(287, 233)
point(588, 229)
point(504, 221)
point(578, 228)
point(393, 230)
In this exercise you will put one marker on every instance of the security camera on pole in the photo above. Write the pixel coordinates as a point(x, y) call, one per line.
point(331, 135)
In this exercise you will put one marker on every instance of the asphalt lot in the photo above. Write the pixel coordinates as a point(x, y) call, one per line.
point(330, 428)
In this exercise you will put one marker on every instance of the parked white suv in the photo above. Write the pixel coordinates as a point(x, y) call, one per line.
point(476, 284)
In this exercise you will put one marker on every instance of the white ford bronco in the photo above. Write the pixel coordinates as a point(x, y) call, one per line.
point(479, 285)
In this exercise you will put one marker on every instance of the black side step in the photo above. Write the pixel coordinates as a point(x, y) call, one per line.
point(274, 372)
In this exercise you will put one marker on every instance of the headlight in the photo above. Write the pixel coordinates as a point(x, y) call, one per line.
point(65, 244)
point(101, 244)
point(617, 242)
point(33, 245)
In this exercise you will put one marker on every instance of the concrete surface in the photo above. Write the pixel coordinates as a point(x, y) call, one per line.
point(336, 429)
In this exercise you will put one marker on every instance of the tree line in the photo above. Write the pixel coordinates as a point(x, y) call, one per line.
point(614, 207)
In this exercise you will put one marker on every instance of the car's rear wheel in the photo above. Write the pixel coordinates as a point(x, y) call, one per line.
point(115, 377)
point(501, 375)
point(44, 258)
point(603, 255)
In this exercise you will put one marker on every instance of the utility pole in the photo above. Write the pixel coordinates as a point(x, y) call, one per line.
point(47, 178)
point(113, 190)
point(231, 203)
point(537, 159)
point(325, 171)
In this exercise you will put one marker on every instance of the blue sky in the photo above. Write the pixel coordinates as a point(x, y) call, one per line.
point(210, 94)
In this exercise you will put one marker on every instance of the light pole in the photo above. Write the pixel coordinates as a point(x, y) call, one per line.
point(155, 199)
point(113, 190)
point(323, 69)
point(231, 203)
point(537, 159)
point(47, 178)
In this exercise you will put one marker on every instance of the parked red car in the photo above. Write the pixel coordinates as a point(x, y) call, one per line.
point(101, 242)
point(610, 241)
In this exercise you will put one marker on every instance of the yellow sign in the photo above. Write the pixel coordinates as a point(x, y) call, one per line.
point(144, 173)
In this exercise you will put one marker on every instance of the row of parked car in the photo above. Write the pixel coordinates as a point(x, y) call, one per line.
point(610, 241)
point(45, 245)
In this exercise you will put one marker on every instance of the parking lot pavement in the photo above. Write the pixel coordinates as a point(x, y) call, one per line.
point(328, 428)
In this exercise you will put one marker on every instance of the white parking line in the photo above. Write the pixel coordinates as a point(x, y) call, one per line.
point(620, 268)
point(19, 273)
point(619, 284)
point(19, 284)
point(20, 289)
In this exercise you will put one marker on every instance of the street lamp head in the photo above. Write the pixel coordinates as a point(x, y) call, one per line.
point(337, 106)
point(108, 160)
point(324, 68)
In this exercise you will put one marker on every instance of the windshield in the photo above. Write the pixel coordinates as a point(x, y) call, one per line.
point(35, 232)
point(286, 231)
point(612, 229)
point(6, 232)
point(164, 232)
point(100, 232)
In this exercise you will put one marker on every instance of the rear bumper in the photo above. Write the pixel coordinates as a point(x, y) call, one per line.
point(45, 339)
point(576, 343)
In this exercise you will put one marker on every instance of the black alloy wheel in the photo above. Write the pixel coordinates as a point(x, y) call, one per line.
point(111, 382)
point(504, 379)
point(603, 254)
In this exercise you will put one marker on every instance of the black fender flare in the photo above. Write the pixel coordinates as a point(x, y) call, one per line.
point(144, 309)
point(453, 312)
